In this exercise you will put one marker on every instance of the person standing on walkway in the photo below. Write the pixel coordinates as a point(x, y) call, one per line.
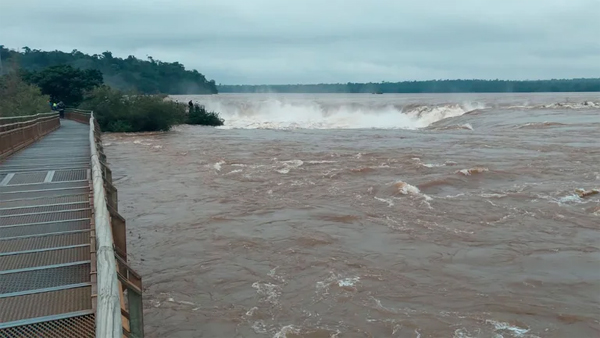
point(61, 109)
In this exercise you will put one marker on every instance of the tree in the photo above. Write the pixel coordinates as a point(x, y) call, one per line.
point(148, 76)
point(65, 83)
point(19, 98)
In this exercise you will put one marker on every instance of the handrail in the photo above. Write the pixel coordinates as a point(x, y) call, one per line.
point(81, 111)
point(108, 310)
point(17, 135)
point(15, 125)
point(119, 305)
point(79, 115)
point(24, 116)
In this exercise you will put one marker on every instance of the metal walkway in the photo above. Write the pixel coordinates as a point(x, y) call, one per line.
point(46, 270)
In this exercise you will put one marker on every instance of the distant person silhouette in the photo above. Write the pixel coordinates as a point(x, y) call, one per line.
point(61, 109)
point(191, 105)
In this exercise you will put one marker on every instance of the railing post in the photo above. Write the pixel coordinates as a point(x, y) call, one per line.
point(136, 313)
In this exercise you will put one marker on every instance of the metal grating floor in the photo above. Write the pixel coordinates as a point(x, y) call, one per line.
point(74, 327)
point(42, 186)
point(42, 193)
point(44, 278)
point(49, 241)
point(45, 252)
point(44, 208)
point(70, 175)
point(26, 178)
point(43, 217)
point(46, 228)
point(43, 258)
point(44, 201)
point(45, 304)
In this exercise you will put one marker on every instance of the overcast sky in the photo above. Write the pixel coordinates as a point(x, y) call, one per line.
point(312, 41)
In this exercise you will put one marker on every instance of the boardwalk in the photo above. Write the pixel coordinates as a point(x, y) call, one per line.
point(45, 219)
point(63, 253)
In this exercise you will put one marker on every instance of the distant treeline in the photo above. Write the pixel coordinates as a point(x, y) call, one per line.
point(434, 86)
point(131, 74)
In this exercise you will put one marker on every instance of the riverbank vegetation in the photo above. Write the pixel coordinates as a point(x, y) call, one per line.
point(117, 111)
point(18, 98)
point(435, 86)
point(200, 116)
point(30, 91)
point(149, 76)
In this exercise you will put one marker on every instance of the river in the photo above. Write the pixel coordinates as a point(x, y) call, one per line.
point(368, 216)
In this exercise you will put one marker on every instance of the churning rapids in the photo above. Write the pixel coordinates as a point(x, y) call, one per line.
point(368, 216)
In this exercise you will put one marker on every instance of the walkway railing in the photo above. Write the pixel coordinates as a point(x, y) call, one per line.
point(82, 116)
point(119, 308)
point(118, 303)
point(21, 131)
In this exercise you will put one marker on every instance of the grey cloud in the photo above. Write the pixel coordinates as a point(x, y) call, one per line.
point(307, 41)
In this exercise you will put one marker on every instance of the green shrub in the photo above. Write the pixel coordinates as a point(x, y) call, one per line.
point(199, 115)
point(18, 98)
point(118, 112)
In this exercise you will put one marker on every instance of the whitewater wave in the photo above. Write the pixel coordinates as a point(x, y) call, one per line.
point(279, 114)
point(572, 105)
point(288, 113)
point(557, 105)
point(465, 126)
point(472, 171)
point(540, 125)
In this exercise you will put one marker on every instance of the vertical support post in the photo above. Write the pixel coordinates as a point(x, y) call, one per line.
point(136, 313)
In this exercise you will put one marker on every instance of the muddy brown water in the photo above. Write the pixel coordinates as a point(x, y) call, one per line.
point(307, 216)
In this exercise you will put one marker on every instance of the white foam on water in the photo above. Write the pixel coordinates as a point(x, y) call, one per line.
point(141, 142)
point(287, 166)
point(572, 105)
point(217, 165)
point(429, 165)
point(285, 330)
point(259, 327)
point(493, 195)
point(348, 282)
point(320, 162)
point(463, 333)
point(385, 200)
point(471, 171)
point(281, 114)
point(570, 199)
point(269, 292)
point(408, 189)
point(432, 165)
point(251, 311)
point(514, 331)
point(272, 274)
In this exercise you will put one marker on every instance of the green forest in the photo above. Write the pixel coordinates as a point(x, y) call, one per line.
point(434, 86)
point(128, 74)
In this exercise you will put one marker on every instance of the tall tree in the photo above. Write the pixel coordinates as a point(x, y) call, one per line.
point(65, 83)
point(147, 76)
